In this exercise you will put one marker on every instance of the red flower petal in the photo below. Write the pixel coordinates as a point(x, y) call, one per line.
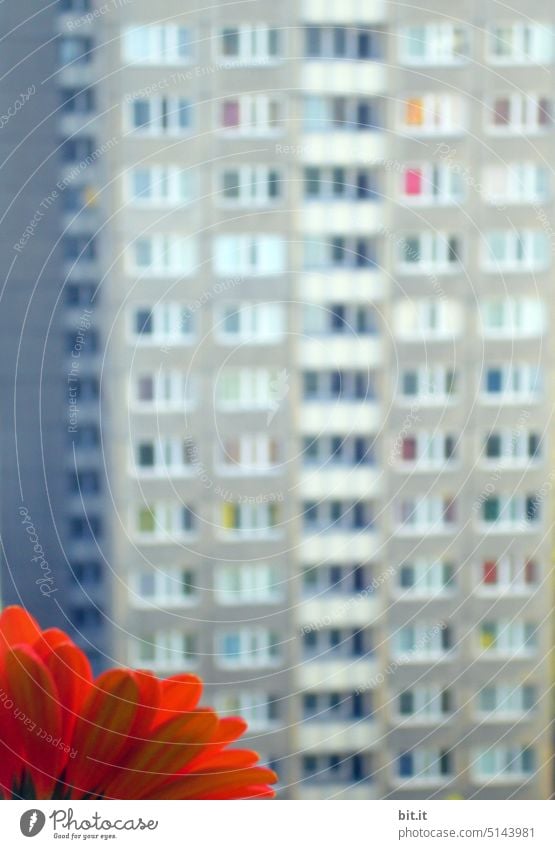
point(172, 745)
point(101, 732)
point(32, 688)
point(17, 626)
point(72, 674)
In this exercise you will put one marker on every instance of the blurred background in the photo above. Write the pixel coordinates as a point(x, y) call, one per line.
point(276, 370)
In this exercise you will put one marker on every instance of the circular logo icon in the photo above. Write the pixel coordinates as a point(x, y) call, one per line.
point(32, 822)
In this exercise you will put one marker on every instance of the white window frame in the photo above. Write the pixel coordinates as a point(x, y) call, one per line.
point(254, 45)
point(258, 648)
point(524, 183)
point(439, 110)
point(253, 182)
point(522, 251)
point(172, 255)
point(170, 185)
point(434, 176)
point(162, 42)
point(168, 325)
point(524, 113)
point(434, 253)
point(249, 255)
point(247, 583)
point(537, 34)
point(439, 40)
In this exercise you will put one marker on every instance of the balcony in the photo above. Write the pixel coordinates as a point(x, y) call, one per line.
point(349, 218)
point(341, 76)
point(360, 790)
point(340, 546)
point(340, 417)
point(331, 737)
point(340, 481)
point(341, 351)
point(330, 11)
point(343, 148)
point(354, 286)
point(342, 611)
point(338, 675)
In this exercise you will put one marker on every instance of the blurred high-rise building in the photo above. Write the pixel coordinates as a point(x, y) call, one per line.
point(315, 241)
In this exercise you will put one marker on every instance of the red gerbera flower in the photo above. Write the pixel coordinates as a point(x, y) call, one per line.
point(125, 735)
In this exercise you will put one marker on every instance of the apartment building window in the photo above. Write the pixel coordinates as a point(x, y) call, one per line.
point(250, 185)
point(510, 383)
point(160, 185)
point(84, 482)
point(337, 516)
point(252, 256)
point(335, 643)
point(87, 389)
point(77, 101)
point(86, 436)
point(339, 319)
point(250, 389)
point(248, 583)
point(343, 768)
point(163, 255)
point(325, 114)
point(85, 528)
point(260, 709)
point(506, 700)
point(248, 454)
point(425, 578)
point(170, 390)
point(340, 579)
point(425, 704)
point(252, 115)
point(426, 765)
point(428, 385)
point(427, 320)
point(248, 648)
point(250, 323)
point(87, 573)
point(82, 248)
point(75, 50)
point(172, 587)
point(508, 575)
point(511, 511)
point(164, 456)
point(340, 252)
point(152, 44)
point(337, 707)
point(251, 44)
point(519, 113)
point(505, 763)
point(165, 650)
point(516, 250)
point(77, 149)
point(511, 318)
point(423, 641)
point(165, 322)
point(516, 183)
point(160, 116)
point(427, 450)
point(520, 43)
point(422, 252)
point(433, 114)
point(336, 385)
point(250, 521)
point(512, 446)
point(427, 513)
point(163, 519)
point(428, 184)
point(330, 451)
point(507, 638)
point(75, 5)
point(324, 42)
point(433, 44)
point(341, 184)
